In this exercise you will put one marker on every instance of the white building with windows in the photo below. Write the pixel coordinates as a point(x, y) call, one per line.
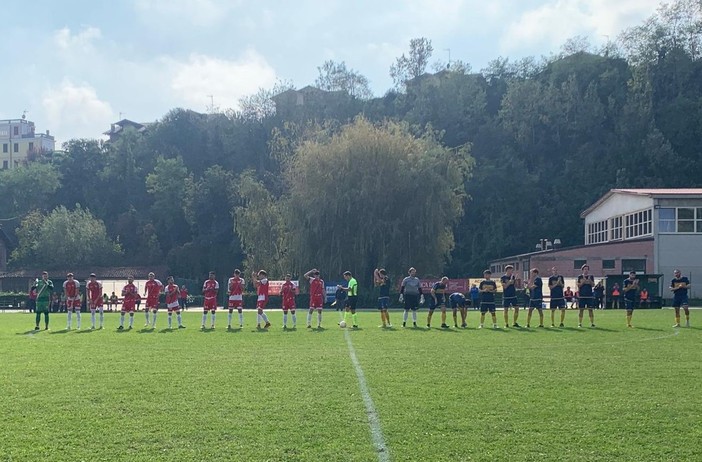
point(651, 231)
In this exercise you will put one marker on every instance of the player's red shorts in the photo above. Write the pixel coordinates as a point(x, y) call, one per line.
point(127, 306)
point(289, 304)
point(72, 303)
point(151, 303)
point(261, 303)
point(210, 304)
point(235, 301)
point(95, 304)
point(316, 303)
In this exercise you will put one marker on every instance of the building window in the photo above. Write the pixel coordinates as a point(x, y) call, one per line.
point(636, 264)
point(597, 232)
point(4, 165)
point(577, 264)
point(15, 130)
point(638, 224)
point(15, 147)
point(680, 220)
point(4, 147)
point(608, 264)
point(615, 225)
point(31, 146)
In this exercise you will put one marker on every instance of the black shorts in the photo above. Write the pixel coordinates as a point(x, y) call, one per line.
point(411, 302)
point(629, 304)
point(510, 301)
point(351, 302)
point(536, 303)
point(558, 303)
point(586, 302)
point(487, 306)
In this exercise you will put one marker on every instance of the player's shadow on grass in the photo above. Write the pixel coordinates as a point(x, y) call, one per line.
point(234, 330)
point(146, 330)
point(602, 329)
point(165, 330)
point(318, 330)
point(649, 329)
point(29, 332)
point(260, 331)
point(85, 331)
point(572, 329)
point(453, 331)
point(62, 331)
point(207, 330)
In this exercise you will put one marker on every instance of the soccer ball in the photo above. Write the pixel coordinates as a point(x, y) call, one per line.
point(342, 324)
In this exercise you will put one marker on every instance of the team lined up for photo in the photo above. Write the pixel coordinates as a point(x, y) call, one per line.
point(411, 295)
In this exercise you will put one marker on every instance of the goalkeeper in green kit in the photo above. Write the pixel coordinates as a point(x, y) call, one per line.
point(44, 289)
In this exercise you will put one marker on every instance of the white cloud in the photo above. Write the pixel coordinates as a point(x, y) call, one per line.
point(192, 12)
point(75, 110)
point(81, 42)
point(193, 81)
point(557, 20)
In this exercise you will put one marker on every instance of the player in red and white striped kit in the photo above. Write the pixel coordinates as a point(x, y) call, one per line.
point(152, 291)
point(261, 284)
point(288, 292)
point(236, 297)
point(93, 290)
point(172, 294)
point(129, 296)
point(210, 289)
point(316, 297)
point(71, 290)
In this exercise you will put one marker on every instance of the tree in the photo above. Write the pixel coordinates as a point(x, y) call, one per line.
point(28, 188)
point(64, 238)
point(335, 76)
point(413, 65)
point(260, 105)
point(374, 195)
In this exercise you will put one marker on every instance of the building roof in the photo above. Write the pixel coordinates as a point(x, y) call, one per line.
point(113, 272)
point(653, 193)
point(119, 126)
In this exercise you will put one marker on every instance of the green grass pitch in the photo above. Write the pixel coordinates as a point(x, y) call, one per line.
point(603, 394)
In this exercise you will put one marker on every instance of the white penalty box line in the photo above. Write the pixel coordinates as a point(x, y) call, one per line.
point(381, 446)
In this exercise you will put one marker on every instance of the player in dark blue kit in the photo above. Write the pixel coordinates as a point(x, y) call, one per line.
point(509, 294)
point(631, 292)
point(458, 302)
point(536, 297)
point(679, 286)
point(438, 299)
point(555, 284)
point(487, 290)
point(586, 298)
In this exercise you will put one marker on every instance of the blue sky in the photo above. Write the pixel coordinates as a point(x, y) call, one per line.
point(76, 67)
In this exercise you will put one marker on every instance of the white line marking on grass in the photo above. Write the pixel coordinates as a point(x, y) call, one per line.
point(381, 446)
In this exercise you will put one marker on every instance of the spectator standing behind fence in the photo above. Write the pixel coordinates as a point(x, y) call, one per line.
point(599, 290)
point(474, 297)
point(616, 296)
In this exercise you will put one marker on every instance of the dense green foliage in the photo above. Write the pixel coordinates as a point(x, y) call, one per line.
point(569, 394)
point(546, 138)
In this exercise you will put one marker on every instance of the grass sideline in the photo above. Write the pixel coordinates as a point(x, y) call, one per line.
point(609, 393)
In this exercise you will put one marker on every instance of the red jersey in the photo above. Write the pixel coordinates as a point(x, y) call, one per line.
point(70, 288)
point(316, 292)
point(94, 289)
point(130, 294)
point(210, 289)
point(236, 286)
point(172, 293)
point(183, 293)
point(153, 288)
point(288, 293)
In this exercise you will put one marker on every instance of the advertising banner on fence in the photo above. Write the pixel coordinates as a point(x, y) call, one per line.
point(274, 287)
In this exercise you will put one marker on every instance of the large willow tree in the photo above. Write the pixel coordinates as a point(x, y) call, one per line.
point(374, 195)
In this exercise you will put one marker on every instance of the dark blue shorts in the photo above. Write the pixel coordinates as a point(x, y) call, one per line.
point(458, 304)
point(536, 303)
point(629, 304)
point(586, 302)
point(559, 303)
point(509, 301)
point(383, 303)
point(680, 300)
point(487, 306)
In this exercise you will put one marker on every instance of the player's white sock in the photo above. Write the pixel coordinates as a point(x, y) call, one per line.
point(285, 319)
point(414, 316)
point(92, 318)
point(68, 321)
point(265, 318)
point(309, 318)
point(319, 317)
point(131, 320)
point(204, 318)
point(180, 319)
point(146, 313)
point(102, 317)
point(294, 317)
point(78, 318)
point(121, 320)
point(404, 316)
point(241, 318)
point(213, 318)
point(153, 319)
point(229, 318)
point(170, 320)
point(258, 319)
